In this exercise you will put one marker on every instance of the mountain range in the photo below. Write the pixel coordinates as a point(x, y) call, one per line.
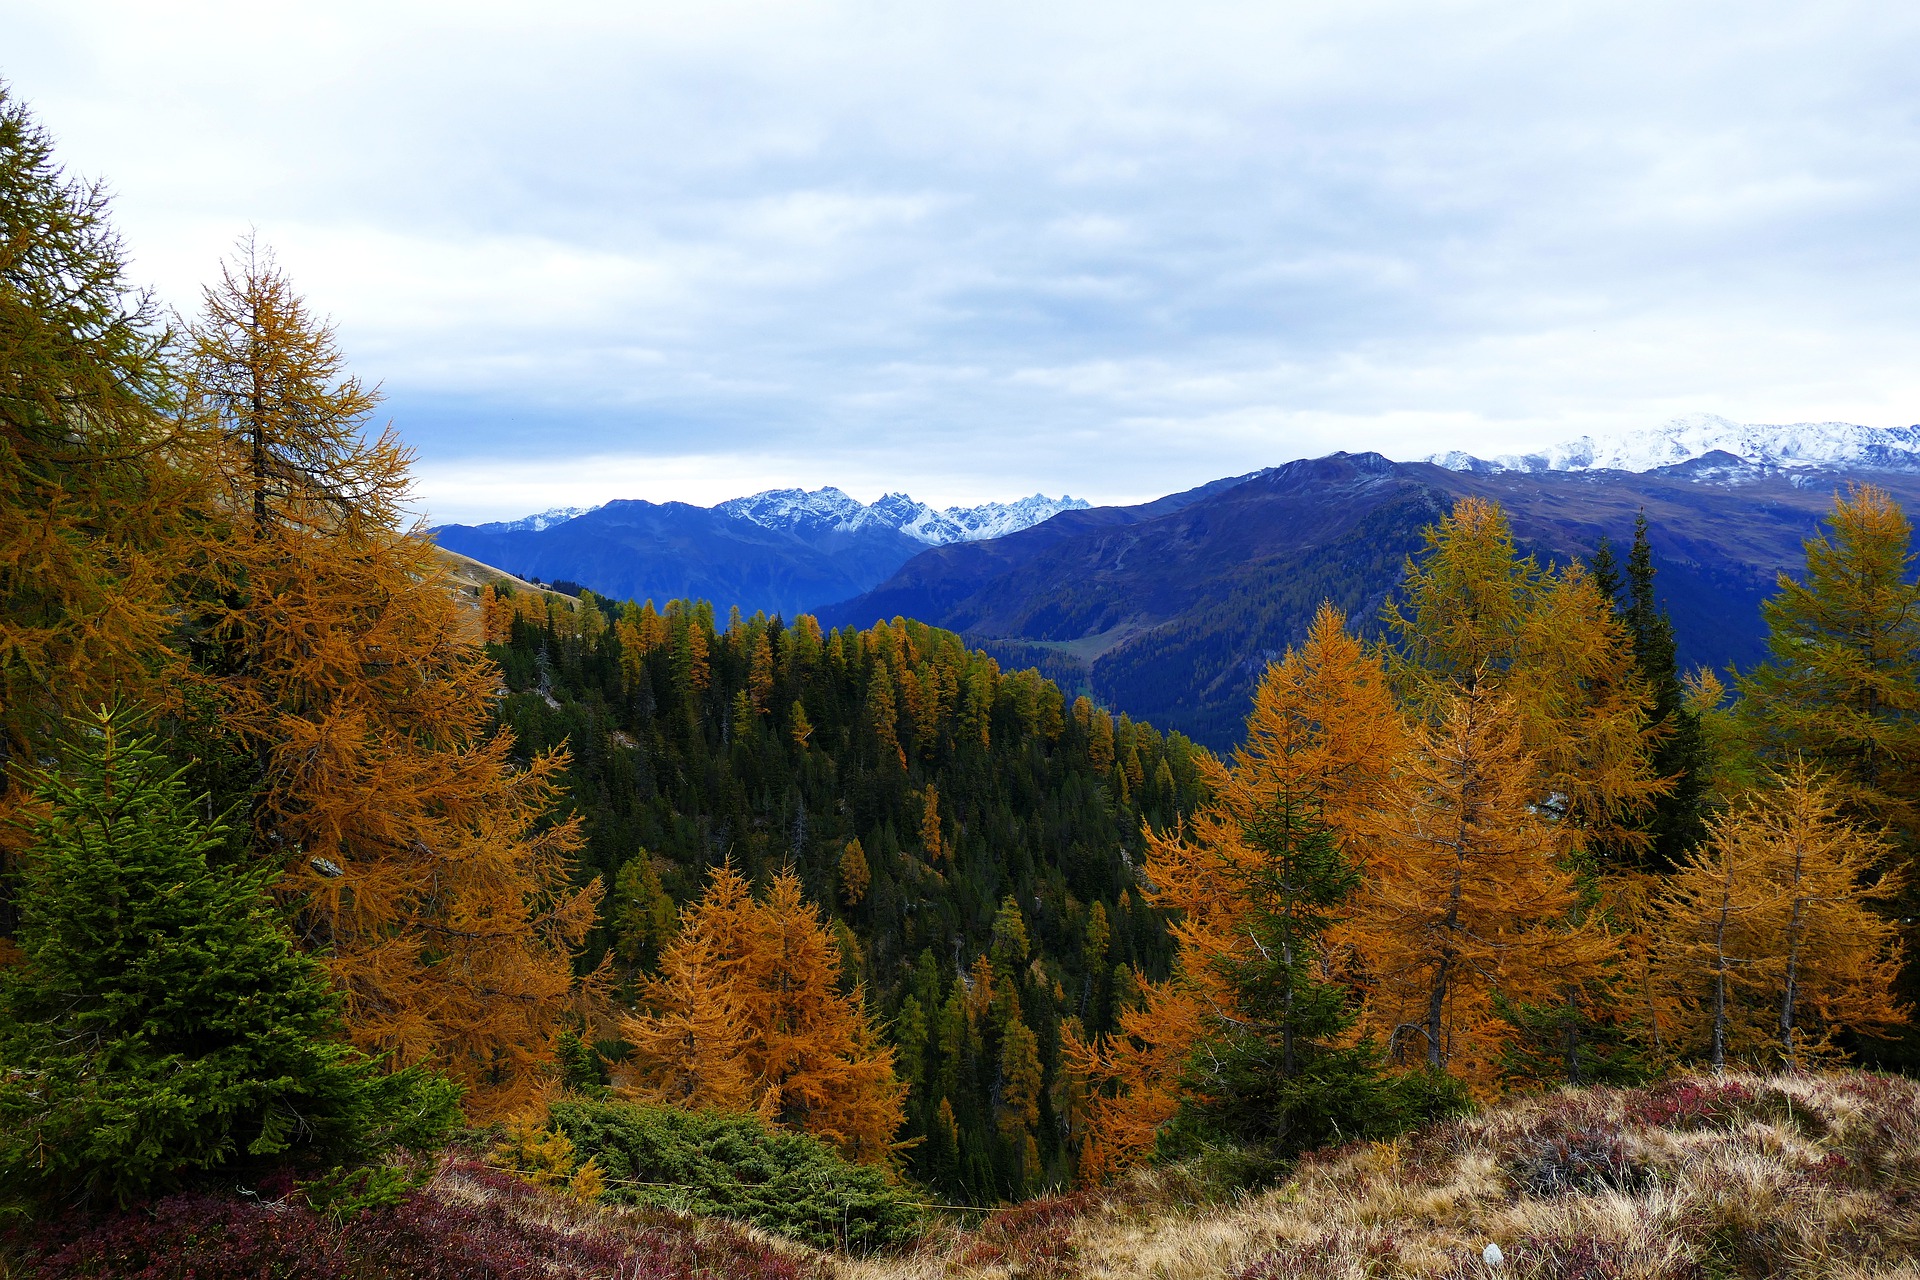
point(1169, 610)
point(781, 551)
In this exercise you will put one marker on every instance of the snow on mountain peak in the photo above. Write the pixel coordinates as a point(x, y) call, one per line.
point(830, 508)
point(538, 521)
point(1763, 445)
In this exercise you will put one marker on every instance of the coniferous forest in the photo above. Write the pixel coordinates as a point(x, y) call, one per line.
point(362, 921)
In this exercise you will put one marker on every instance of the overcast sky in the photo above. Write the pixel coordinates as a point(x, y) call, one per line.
point(979, 249)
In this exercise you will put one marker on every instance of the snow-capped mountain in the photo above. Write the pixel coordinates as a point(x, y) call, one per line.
point(831, 509)
point(1764, 446)
point(538, 521)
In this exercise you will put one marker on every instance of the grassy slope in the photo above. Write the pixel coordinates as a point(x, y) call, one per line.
point(1815, 1175)
point(1701, 1179)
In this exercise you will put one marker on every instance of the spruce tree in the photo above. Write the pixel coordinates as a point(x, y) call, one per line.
point(162, 1026)
point(1675, 822)
point(1276, 1075)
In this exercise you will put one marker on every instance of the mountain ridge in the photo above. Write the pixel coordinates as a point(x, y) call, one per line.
point(1766, 446)
point(1172, 615)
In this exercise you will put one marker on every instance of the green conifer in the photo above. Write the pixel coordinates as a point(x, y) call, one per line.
point(161, 1026)
point(1277, 1078)
point(1677, 820)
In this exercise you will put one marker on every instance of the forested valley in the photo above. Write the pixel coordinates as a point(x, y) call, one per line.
point(363, 922)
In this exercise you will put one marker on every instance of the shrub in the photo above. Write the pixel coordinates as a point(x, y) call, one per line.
point(734, 1166)
point(1585, 1160)
point(1689, 1104)
point(508, 1231)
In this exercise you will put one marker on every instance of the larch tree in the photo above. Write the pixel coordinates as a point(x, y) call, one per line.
point(94, 492)
point(1841, 686)
point(1473, 612)
point(1766, 939)
point(690, 1048)
point(1469, 904)
point(808, 1053)
point(421, 853)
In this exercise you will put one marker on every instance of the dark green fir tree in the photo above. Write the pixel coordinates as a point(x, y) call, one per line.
point(161, 1028)
point(1678, 819)
point(1275, 1079)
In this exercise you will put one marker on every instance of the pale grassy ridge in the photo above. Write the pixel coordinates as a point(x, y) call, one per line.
point(1743, 1176)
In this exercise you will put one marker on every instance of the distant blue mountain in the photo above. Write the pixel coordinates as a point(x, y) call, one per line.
point(1171, 611)
point(783, 551)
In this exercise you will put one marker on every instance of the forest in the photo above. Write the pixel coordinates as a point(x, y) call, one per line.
point(325, 872)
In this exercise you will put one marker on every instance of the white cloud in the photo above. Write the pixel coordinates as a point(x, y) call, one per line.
point(992, 246)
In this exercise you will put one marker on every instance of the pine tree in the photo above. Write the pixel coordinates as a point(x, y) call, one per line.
point(1020, 1087)
point(1280, 1073)
point(1676, 821)
point(418, 846)
point(162, 1027)
point(643, 914)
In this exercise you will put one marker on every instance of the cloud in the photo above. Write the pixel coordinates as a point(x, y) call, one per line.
point(974, 249)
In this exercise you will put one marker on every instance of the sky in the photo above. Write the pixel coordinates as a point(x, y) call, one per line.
point(976, 250)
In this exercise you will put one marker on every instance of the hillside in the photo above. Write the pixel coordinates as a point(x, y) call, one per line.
point(997, 823)
point(1171, 615)
point(1734, 1177)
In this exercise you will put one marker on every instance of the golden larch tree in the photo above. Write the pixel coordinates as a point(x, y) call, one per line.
point(1841, 688)
point(1468, 901)
point(1474, 612)
point(98, 481)
point(692, 1044)
point(1765, 939)
point(809, 1052)
point(418, 849)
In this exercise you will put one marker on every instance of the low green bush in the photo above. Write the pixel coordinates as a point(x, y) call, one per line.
point(734, 1166)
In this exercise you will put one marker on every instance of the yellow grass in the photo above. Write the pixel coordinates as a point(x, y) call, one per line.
point(1745, 1176)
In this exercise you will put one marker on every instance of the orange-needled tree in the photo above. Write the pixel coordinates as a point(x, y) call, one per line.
point(1766, 941)
point(420, 852)
point(1469, 904)
point(809, 1054)
point(94, 499)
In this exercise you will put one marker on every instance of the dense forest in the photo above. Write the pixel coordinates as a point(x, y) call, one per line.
point(975, 836)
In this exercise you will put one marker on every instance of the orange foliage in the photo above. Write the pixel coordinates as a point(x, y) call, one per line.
point(1467, 896)
point(416, 845)
point(1324, 729)
point(807, 1053)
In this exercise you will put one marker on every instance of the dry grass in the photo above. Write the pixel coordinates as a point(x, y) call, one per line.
point(1697, 1179)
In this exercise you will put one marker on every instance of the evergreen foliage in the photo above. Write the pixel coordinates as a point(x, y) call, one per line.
point(917, 792)
point(1676, 821)
point(161, 1026)
point(1282, 1076)
point(735, 1166)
